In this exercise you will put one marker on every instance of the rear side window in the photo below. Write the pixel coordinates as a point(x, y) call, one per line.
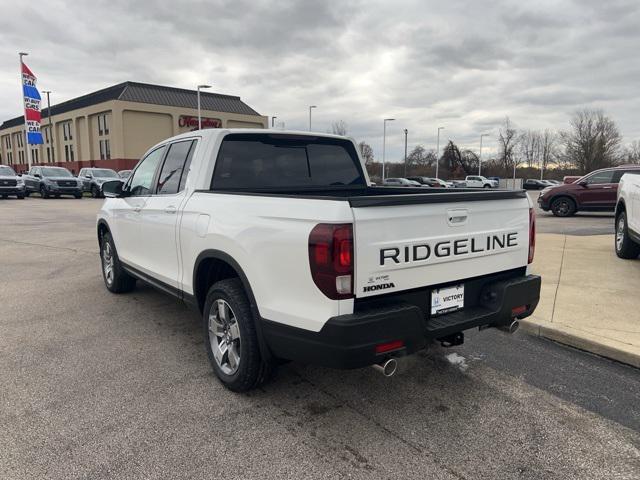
point(169, 180)
point(606, 176)
point(248, 161)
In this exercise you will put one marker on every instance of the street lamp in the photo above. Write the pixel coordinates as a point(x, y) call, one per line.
point(53, 158)
point(273, 121)
point(311, 107)
point(480, 156)
point(438, 151)
point(405, 151)
point(384, 144)
point(199, 115)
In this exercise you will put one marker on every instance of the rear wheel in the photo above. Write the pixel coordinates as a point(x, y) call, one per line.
point(563, 207)
point(625, 246)
point(115, 278)
point(78, 195)
point(231, 339)
point(20, 196)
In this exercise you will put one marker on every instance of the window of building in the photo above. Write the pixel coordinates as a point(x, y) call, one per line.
point(10, 158)
point(103, 124)
point(71, 152)
point(34, 155)
point(48, 154)
point(66, 131)
point(66, 153)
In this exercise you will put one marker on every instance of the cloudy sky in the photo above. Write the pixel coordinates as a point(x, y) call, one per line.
point(463, 65)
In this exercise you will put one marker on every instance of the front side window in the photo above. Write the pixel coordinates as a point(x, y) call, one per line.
point(142, 179)
point(173, 168)
point(248, 161)
point(606, 176)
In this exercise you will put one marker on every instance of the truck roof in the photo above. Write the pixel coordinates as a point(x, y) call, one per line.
point(215, 132)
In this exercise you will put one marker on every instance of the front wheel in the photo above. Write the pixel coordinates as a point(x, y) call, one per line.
point(625, 247)
point(95, 193)
point(486, 186)
point(231, 339)
point(563, 207)
point(43, 192)
point(20, 196)
point(115, 278)
point(78, 196)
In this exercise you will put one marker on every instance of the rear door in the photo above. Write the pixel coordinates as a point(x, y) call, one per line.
point(160, 213)
point(411, 246)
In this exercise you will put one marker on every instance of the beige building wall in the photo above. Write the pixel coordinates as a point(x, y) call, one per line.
point(133, 128)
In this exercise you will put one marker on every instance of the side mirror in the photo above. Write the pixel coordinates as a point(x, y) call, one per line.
point(583, 183)
point(88, 175)
point(37, 175)
point(113, 189)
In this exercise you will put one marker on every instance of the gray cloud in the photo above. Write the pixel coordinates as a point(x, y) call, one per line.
point(464, 65)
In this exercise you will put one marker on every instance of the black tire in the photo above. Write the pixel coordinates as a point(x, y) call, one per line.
point(43, 192)
point(95, 193)
point(57, 195)
point(120, 281)
point(26, 193)
point(5, 196)
point(251, 370)
point(563, 207)
point(486, 186)
point(625, 247)
point(78, 196)
point(20, 196)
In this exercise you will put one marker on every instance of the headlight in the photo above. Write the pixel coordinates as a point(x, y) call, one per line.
point(80, 183)
point(20, 181)
point(545, 190)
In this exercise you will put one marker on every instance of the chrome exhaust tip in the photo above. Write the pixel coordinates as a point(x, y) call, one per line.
point(387, 368)
point(511, 328)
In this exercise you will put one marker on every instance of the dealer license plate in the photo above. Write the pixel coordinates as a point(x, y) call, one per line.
point(446, 300)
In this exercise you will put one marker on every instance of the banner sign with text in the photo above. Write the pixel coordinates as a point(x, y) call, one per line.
point(32, 114)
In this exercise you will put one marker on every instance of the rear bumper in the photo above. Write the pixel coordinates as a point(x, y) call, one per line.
point(349, 341)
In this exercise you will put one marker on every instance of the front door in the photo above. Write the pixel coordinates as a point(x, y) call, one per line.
point(599, 191)
point(160, 215)
point(127, 228)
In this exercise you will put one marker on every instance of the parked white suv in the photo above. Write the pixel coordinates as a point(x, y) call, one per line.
point(280, 242)
point(628, 216)
point(478, 181)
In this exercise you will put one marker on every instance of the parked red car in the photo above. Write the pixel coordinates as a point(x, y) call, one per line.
point(596, 191)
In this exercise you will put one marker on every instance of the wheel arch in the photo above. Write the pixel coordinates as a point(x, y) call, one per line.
point(214, 265)
point(101, 229)
point(620, 207)
point(564, 195)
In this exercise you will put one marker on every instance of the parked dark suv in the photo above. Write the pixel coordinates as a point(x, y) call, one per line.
point(51, 181)
point(93, 178)
point(596, 191)
point(10, 183)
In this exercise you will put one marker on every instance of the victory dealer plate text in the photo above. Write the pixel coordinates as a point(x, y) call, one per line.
point(448, 299)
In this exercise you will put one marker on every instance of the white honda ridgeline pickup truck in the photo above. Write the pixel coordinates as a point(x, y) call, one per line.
point(289, 253)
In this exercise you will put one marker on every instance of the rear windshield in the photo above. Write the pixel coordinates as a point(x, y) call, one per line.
point(255, 161)
point(56, 172)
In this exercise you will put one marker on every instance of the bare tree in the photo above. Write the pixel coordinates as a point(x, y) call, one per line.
point(507, 143)
point(632, 152)
point(548, 150)
point(339, 127)
point(367, 152)
point(529, 145)
point(469, 162)
point(592, 141)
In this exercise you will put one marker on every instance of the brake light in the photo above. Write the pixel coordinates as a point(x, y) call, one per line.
point(532, 234)
point(389, 347)
point(331, 259)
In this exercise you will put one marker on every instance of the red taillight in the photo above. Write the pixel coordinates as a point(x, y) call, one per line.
point(389, 347)
point(518, 310)
point(532, 234)
point(331, 259)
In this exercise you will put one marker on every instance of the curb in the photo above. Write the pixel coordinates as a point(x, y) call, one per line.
point(580, 342)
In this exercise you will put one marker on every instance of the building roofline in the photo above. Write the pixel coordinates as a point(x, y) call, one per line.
point(119, 92)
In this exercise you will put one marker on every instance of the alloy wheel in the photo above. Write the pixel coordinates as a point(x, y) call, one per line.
point(224, 336)
point(620, 232)
point(107, 262)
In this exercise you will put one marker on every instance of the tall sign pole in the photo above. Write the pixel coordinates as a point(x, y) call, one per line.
point(26, 137)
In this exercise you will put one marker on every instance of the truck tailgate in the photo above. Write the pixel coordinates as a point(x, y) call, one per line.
point(402, 247)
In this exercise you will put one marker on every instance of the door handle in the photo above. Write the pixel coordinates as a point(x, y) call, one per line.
point(607, 188)
point(170, 209)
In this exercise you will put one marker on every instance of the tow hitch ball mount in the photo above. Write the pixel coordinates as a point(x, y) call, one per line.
point(452, 340)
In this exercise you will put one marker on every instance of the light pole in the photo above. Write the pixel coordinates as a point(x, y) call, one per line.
point(273, 121)
point(310, 107)
point(384, 144)
point(405, 151)
point(48, 92)
point(199, 115)
point(480, 156)
point(438, 151)
point(26, 137)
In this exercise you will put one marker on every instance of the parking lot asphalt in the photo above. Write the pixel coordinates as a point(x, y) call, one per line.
point(96, 385)
point(583, 223)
